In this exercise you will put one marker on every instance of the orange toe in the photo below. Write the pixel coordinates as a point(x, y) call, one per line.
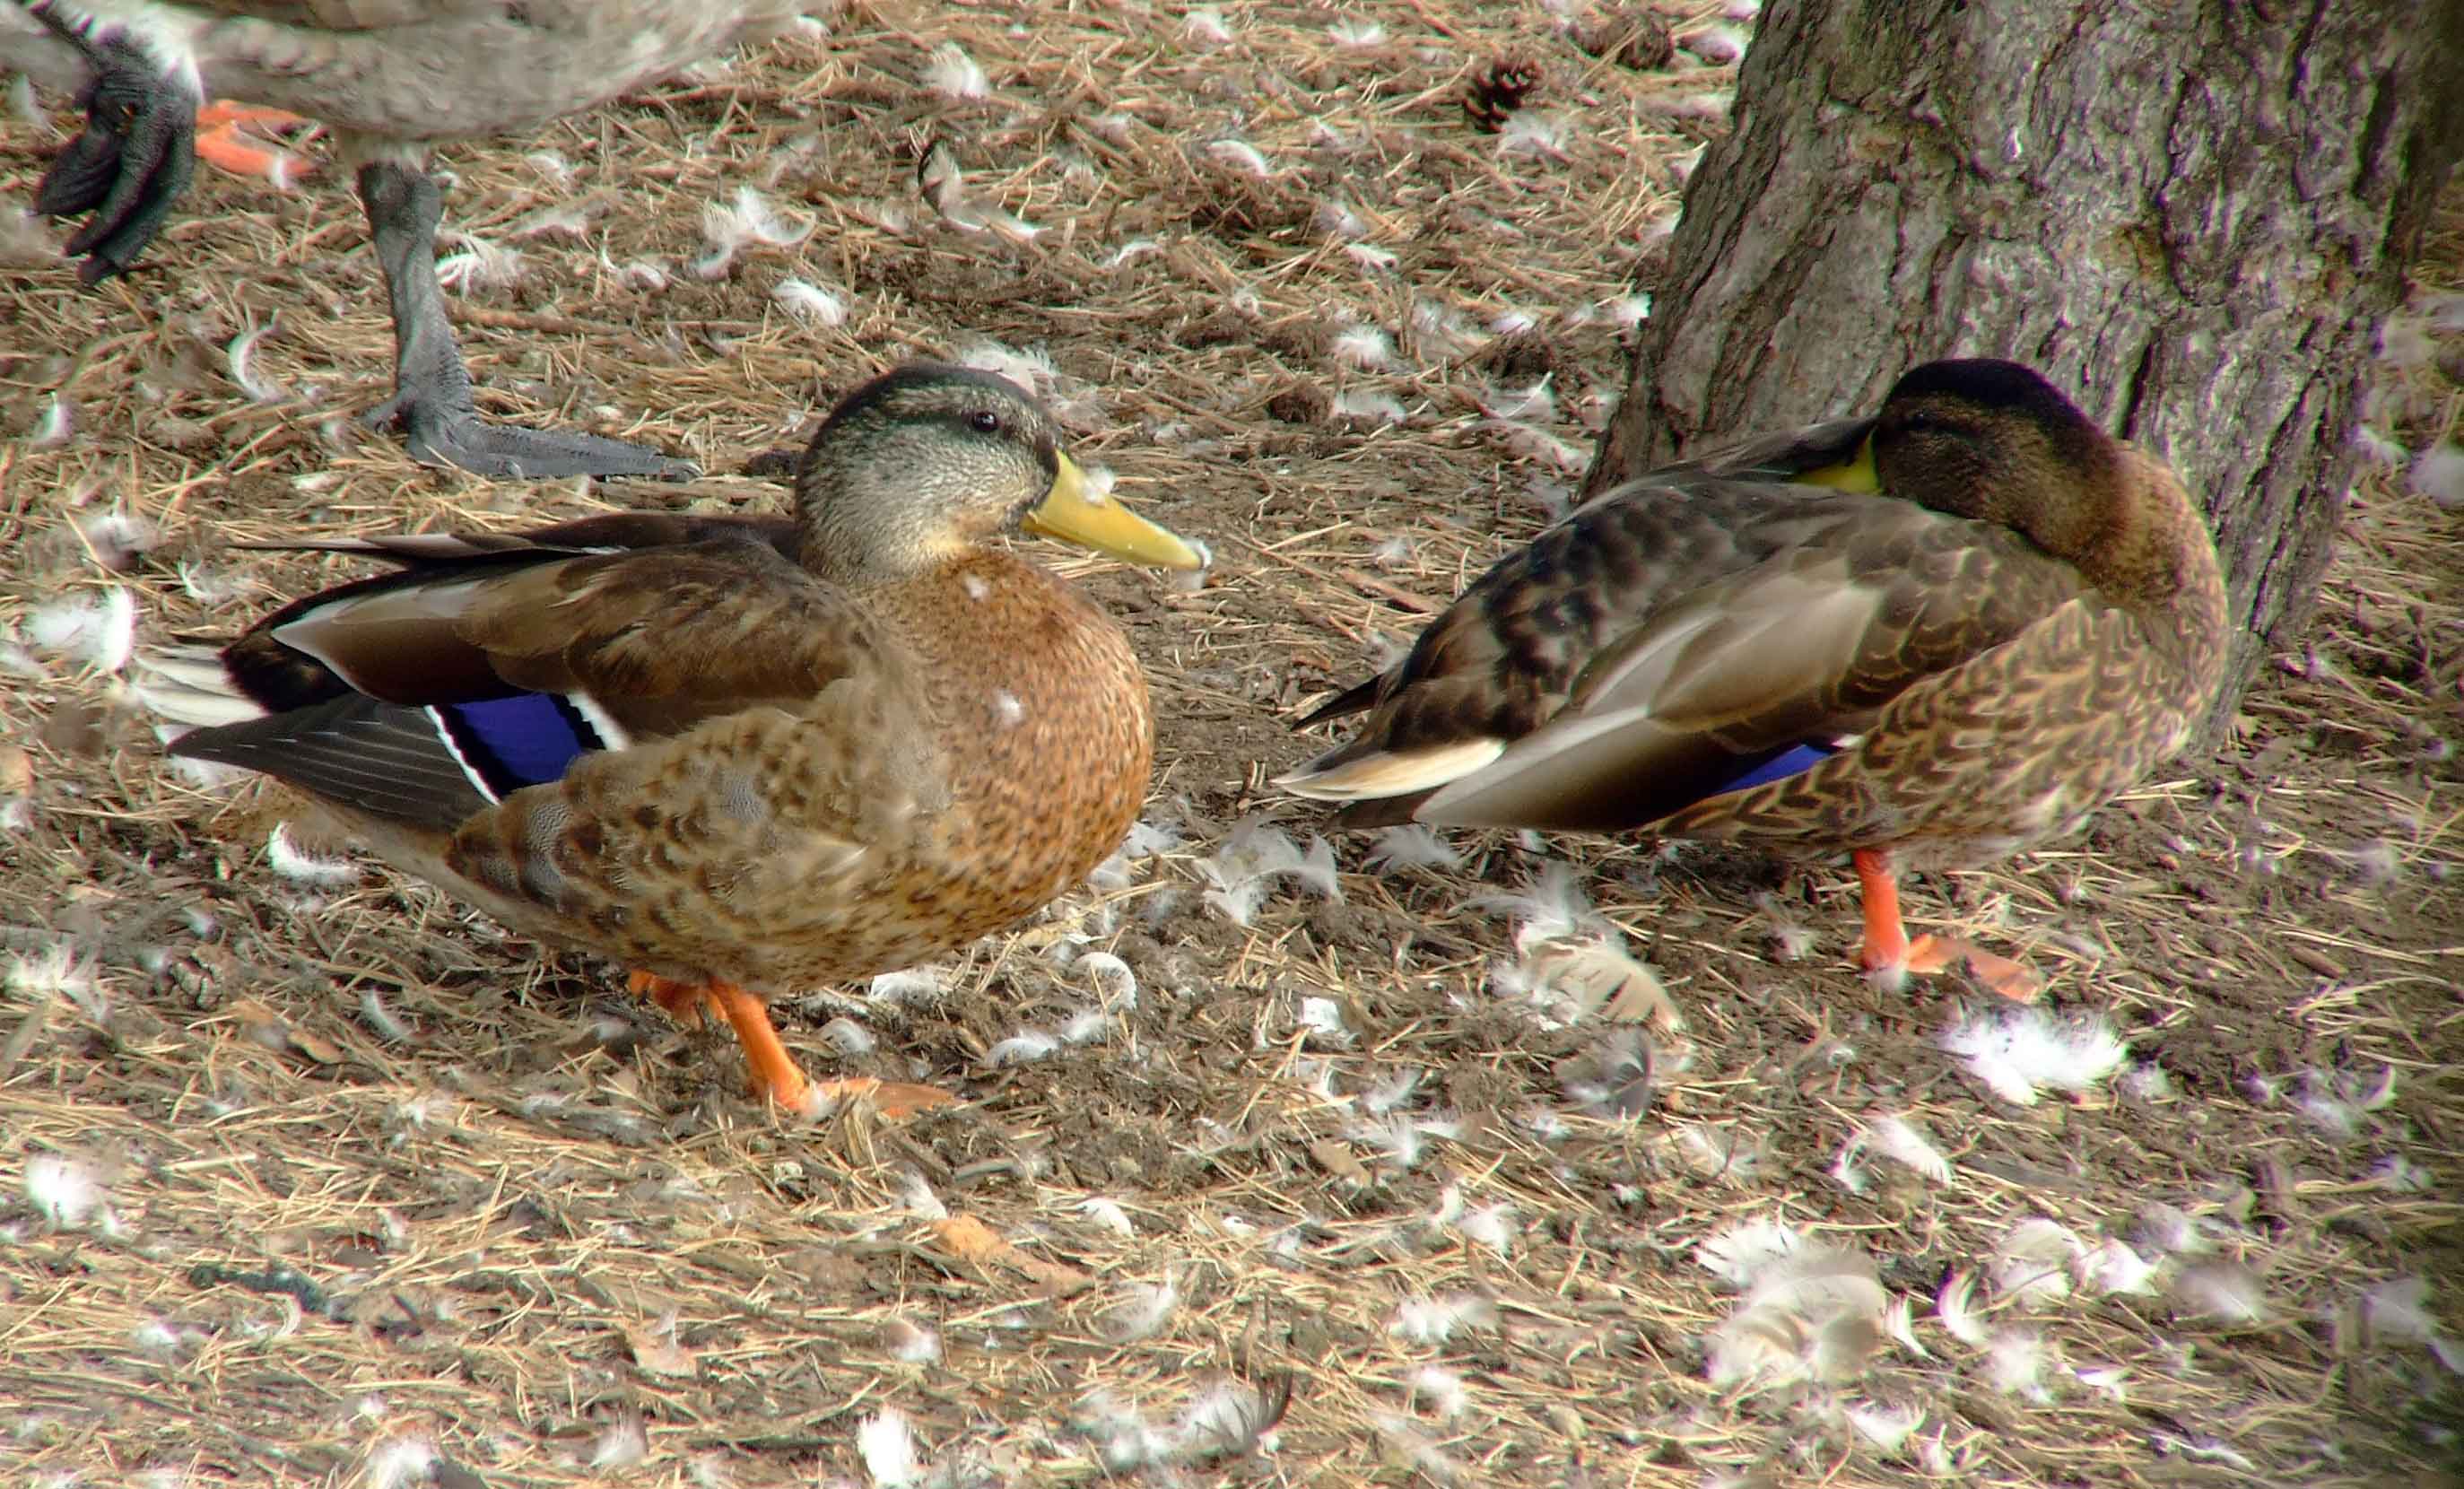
point(2005, 977)
point(889, 1098)
point(223, 142)
point(1929, 955)
point(221, 112)
point(971, 1239)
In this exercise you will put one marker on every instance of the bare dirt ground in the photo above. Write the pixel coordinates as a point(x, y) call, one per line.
point(308, 1175)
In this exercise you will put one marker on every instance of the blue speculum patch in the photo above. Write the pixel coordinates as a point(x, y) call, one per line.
point(1776, 766)
point(519, 741)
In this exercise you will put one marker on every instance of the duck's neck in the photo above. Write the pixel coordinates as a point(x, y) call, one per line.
point(2155, 558)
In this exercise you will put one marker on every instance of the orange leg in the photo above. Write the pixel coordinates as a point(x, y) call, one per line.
point(775, 1076)
point(773, 1072)
point(222, 142)
point(683, 1000)
point(1890, 955)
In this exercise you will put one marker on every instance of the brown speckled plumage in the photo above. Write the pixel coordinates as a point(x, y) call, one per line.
point(2023, 621)
point(899, 814)
point(842, 742)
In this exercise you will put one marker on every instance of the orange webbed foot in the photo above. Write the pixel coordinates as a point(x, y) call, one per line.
point(2003, 975)
point(1888, 956)
point(771, 1072)
point(224, 141)
point(1929, 954)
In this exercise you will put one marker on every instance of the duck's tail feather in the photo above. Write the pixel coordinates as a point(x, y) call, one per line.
point(1357, 698)
point(189, 688)
point(373, 759)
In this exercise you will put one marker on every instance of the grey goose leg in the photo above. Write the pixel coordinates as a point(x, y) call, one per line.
point(433, 389)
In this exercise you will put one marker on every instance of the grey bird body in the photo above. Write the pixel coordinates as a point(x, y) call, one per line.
point(396, 76)
point(391, 78)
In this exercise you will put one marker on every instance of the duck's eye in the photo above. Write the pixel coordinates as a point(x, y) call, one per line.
point(983, 421)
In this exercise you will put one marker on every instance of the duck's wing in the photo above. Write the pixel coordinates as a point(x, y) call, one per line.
point(612, 532)
point(275, 674)
point(1675, 640)
point(1796, 455)
point(1802, 455)
point(424, 696)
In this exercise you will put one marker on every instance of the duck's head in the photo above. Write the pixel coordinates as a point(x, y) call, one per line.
point(1991, 439)
point(923, 464)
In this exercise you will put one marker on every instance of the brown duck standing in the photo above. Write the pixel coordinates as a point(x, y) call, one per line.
point(1929, 638)
point(740, 754)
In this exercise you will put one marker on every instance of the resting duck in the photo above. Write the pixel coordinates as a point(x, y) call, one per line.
point(1995, 619)
point(392, 77)
point(737, 754)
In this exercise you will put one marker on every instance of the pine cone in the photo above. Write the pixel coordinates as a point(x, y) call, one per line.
point(1629, 35)
point(1499, 91)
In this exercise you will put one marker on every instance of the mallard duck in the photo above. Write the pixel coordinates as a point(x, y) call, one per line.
point(1929, 638)
point(736, 753)
point(392, 77)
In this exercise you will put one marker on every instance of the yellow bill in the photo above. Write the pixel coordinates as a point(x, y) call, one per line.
point(1855, 474)
point(1074, 514)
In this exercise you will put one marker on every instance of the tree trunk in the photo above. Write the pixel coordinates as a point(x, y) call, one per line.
point(2192, 214)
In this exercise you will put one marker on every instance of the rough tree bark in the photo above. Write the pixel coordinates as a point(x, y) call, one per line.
point(2195, 215)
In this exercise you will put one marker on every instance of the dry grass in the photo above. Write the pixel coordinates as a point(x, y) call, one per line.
point(371, 1181)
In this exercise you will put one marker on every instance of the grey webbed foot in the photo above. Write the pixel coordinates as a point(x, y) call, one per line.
point(442, 431)
point(131, 163)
